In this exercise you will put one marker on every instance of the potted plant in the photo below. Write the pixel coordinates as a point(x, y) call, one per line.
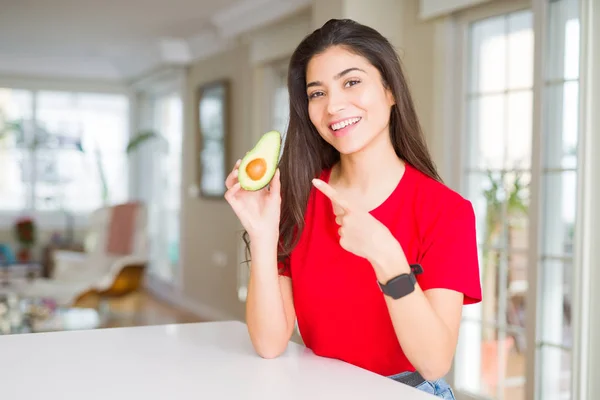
point(506, 212)
point(25, 234)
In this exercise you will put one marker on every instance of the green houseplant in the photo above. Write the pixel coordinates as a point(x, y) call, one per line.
point(505, 195)
point(506, 207)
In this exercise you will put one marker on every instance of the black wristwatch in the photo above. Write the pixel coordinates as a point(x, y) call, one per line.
point(402, 285)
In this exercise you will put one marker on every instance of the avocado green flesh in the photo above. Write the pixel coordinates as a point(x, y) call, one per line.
point(267, 148)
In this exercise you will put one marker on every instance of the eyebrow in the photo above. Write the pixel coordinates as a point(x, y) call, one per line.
point(337, 76)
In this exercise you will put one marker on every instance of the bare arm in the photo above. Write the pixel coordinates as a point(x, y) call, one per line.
point(270, 314)
point(426, 323)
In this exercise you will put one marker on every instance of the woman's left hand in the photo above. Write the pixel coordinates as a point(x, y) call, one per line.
point(362, 234)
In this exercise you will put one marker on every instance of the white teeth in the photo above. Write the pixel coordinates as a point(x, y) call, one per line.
point(345, 123)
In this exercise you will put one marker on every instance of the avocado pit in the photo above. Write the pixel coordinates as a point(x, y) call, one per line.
point(256, 169)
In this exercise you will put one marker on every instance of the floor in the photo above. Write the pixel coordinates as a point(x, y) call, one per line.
point(141, 309)
point(515, 368)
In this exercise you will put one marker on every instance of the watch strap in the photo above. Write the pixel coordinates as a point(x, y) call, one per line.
point(416, 269)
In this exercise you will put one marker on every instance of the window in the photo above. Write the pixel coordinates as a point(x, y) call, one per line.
point(159, 169)
point(62, 150)
point(499, 175)
point(15, 188)
point(166, 208)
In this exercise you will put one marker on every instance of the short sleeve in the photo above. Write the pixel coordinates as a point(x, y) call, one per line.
point(450, 257)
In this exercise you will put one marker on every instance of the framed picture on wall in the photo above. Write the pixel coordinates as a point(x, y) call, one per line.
point(212, 112)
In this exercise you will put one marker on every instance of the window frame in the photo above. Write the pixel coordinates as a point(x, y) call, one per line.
point(586, 346)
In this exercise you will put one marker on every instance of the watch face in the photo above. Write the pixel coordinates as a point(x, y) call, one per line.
point(400, 286)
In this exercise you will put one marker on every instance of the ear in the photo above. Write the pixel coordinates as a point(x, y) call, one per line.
point(390, 97)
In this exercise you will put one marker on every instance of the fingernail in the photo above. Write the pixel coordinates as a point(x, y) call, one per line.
point(316, 182)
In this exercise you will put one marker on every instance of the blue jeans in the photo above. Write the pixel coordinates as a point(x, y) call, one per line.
point(439, 388)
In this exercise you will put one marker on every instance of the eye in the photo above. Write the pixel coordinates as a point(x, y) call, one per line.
point(352, 82)
point(315, 94)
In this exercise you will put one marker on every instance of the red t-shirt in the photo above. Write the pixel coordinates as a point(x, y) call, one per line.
point(341, 311)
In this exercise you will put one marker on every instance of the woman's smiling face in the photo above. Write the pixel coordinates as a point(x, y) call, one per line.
point(347, 101)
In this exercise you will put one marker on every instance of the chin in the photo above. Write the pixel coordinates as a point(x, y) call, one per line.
point(348, 148)
point(359, 142)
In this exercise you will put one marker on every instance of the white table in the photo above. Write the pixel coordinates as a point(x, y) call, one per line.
point(213, 360)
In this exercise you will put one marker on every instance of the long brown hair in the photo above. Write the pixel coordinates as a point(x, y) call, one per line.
point(306, 154)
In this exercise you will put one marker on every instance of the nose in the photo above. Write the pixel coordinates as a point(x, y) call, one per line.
point(336, 102)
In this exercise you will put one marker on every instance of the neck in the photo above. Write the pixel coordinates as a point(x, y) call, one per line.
point(374, 165)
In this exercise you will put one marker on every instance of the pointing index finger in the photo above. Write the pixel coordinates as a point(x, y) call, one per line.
point(331, 193)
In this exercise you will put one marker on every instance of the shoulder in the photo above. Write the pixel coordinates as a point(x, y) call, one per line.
point(447, 229)
point(436, 204)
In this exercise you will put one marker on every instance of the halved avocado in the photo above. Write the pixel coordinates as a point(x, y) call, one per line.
point(259, 164)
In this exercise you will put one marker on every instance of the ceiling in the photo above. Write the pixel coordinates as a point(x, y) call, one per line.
point(119, 40)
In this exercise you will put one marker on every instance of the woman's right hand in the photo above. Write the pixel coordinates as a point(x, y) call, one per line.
point(258, 211)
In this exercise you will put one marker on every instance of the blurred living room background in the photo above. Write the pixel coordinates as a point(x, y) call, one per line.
point(119, 122)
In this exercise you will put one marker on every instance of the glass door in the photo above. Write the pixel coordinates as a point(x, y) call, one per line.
point(522, 180)
point(498, 104)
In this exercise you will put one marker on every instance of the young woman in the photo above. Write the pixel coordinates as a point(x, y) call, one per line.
point(357, 238)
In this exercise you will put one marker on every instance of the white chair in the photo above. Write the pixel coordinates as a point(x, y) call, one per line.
point(97, 270)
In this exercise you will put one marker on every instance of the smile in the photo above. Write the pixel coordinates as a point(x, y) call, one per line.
point(342, 124)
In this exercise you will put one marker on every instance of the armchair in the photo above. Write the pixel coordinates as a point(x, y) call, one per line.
point(113, 261)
